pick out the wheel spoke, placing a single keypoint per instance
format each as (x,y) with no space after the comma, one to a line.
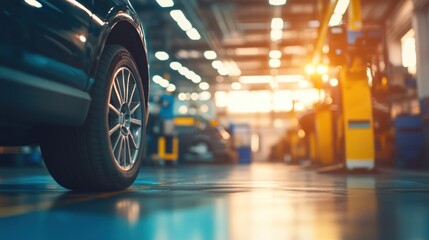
(116,111)
(114,129)
(134,141)
(118,95)
(116,143)
(136,121)
(123,85)
(120,150)
(129,151)
(135,108)
(124,150)
(127,87)
(130,100)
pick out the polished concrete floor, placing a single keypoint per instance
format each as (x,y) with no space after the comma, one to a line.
(259,201)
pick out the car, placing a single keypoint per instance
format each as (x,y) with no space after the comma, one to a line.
(74,78)
(201,140)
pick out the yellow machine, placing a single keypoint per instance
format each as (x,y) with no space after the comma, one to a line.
(353,139)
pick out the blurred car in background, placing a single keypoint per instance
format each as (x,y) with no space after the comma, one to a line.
(201,140)
(74,78)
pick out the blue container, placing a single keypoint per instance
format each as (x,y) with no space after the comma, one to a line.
(409,141)
(244,155)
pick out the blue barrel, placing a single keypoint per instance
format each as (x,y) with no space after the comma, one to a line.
(409,141)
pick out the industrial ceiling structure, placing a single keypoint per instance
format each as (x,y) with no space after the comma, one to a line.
(224,41)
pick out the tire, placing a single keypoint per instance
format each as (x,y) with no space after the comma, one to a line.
(105,153)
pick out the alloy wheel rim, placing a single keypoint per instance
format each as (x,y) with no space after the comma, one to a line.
(125,118)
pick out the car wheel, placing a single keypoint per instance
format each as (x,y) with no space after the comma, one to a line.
(106,152)
(200,151)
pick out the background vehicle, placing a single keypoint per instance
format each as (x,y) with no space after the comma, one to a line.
(200,140)
(74,78)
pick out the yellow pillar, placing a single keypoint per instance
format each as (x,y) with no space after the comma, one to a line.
(356,102)
(324,135)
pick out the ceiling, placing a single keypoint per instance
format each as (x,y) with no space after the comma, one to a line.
(239,32)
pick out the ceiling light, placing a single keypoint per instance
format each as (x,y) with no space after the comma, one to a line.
(335,20)
(274,63)
(196,79)
(157,79)
(165,3)
(277,2)
(210,55)
(217,64)
(34,3)
(258,79)
(205,96)
(171,88)
(175,65)
(276,34)
(222,71)
(181,96)
(341,7)
(333,82)
(313,24)
(162,56)
(195,96)
(181,20)
(193,34)
(204,86)
(164,83)
(276,23)
(236,86)
(275,54)
(184,71)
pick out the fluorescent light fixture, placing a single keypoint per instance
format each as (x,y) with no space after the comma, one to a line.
(274,63)
(275,54)
(175,65)
(313,24)
(333,82)
(277,2)
(339,11)
(165,3)
(322,69)
(310,69)
(210,55)
(171,87)
(276,34)
(157,79)
(164,83)
(236,86)
(196,79)
(193,34)
(181,20)
(181,96)
(276,23)
(204,86)
(250,51)
(162,56)
(205,96)
(184,71)
(34,3)
(303,84)
(217,64)
(335,20)
(223,71)
(195,96)
(341,7)
(258,79)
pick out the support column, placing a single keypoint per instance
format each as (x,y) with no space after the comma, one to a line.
(421,26)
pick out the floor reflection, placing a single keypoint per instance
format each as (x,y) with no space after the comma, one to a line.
(220,202)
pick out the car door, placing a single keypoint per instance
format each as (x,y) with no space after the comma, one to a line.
(47,38)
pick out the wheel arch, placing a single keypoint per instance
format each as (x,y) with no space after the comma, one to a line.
(125,34)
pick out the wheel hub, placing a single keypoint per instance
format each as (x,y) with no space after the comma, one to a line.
(125,119)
